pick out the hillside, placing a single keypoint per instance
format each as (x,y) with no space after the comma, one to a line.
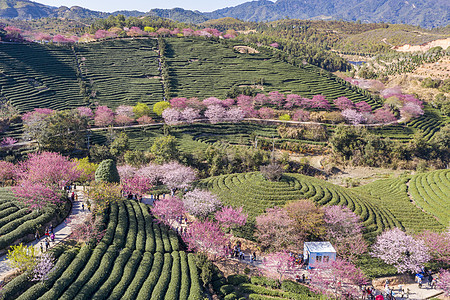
(430,13)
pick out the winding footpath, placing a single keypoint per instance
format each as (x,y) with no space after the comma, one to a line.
(62,231)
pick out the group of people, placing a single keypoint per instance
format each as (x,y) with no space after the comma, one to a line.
(236,252)
(49,238)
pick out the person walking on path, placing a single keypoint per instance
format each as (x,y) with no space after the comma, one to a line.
(36,235)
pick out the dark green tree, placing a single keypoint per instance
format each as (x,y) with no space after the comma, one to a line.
(164,149)
(107,172)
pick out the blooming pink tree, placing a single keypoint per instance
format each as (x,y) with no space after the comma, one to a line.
(190,114)
(301,115)
(151,171)
(144,120)
(339,278)
(43,112)
(230,217)
(172,116)
(261,99)
(7,171)
(85,112)
(353,116)
(411,110)
(235,114)
(444,281)
(438,243)
(344,231)
(178,103)
(293,100)
(206,237)
(48,168)
(275,229)
(363,107)
(40,36)
(266,113)
(43,267)
(275,45)
(123,120)
(126,171)
(216,113)
(176,176)
(246,104)
(343,103)
(168,209)
(36,195)
(136,185)
(212,101)
(104,116)
(125,110)
(200,203)
(402,251)
(276,98)
(319,101)
(384,116)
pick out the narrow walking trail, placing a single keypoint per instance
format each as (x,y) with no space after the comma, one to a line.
(62,231)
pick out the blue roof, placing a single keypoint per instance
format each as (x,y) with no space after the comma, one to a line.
(319,247)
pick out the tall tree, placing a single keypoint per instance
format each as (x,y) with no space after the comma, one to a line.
(164,149)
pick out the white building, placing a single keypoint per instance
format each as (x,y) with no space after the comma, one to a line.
(318,252)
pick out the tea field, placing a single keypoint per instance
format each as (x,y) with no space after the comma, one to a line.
(19,223)
(136,259)
(122,72)
(205,68)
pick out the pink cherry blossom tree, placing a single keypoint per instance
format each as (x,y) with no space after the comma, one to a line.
(48,168)
(212,101)
(216,113)
(444,281)
(343,103)
(338,278)
(8,141)
(125,110)
(136,185)
(172,116)
(7,171)
(178,103)
(266,113)
(319,101)
(151,171)
(292,100)
(261,99)
(411,110)
(235,114)
(301,115)
(190,114)
(402,251)
(85,112)
(275,45)
(123,120)
(200,203)
(230,217)
(41,112)
(344,231)
(384,116)
(275,229)
(176,176)
(144,120)
(207,237)
(168,209)
(126,171)
(246,104)
(363,107)
(353,116)
(104,116)
(438,243)
(276,98)
(36,195)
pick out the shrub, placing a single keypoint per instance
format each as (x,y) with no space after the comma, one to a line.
(107,172)
(238,279)
(159,107)
(285,117)
(272,172)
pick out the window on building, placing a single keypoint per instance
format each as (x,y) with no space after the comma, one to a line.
(319,258)
(326,259)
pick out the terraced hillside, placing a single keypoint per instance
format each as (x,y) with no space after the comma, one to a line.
(19,223)
(44,76)
(255,194)
(431,192)
(392,195)
(205,68)
(123,72)
(136,259)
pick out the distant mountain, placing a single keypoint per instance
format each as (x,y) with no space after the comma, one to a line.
(179,14)
(426,13)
